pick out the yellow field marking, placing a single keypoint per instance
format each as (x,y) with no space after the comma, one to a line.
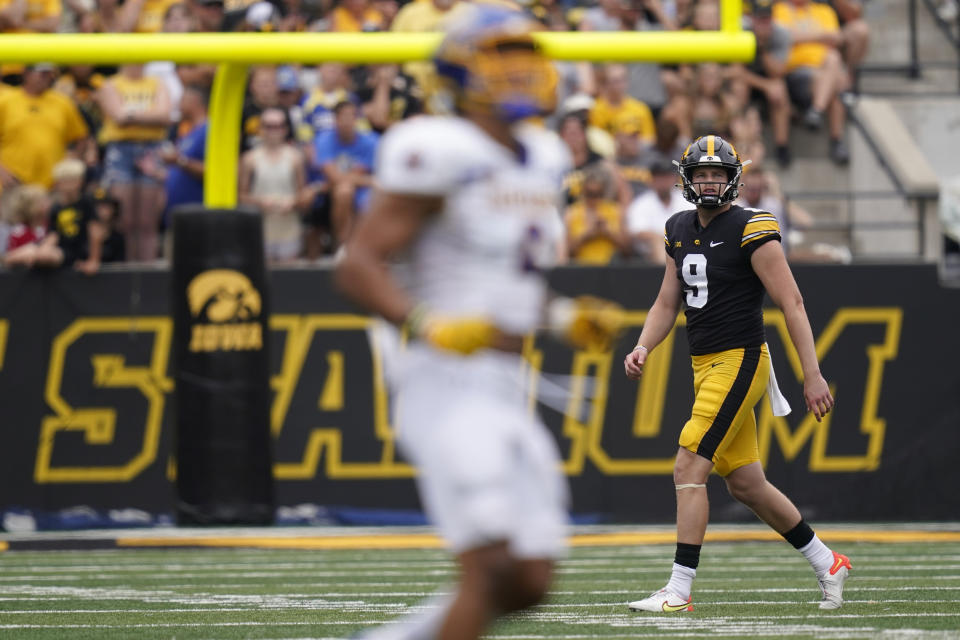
(430,541)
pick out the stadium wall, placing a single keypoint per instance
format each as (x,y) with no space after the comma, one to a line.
(86,383)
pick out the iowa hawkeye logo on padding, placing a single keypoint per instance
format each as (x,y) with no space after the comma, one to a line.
(226,307)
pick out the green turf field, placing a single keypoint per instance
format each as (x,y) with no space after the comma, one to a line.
(743,589)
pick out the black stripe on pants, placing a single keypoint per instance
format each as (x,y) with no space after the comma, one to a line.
(731,403)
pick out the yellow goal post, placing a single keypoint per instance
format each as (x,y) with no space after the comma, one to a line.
(235,52)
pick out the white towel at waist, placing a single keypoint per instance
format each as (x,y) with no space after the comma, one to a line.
(778,403)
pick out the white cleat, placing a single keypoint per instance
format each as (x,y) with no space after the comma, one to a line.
(831,583)
(662,601)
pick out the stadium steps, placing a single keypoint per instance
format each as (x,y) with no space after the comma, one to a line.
(925,111)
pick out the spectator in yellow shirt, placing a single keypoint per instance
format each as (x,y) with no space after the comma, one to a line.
(614,102)
(816,75)
(37,125)
(595,233)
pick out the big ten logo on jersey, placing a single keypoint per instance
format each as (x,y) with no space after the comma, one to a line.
(620,427)
(225,309)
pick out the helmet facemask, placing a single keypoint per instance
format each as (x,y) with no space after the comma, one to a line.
(513,81)
(726,191)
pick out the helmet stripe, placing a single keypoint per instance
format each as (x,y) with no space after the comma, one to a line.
(710,143)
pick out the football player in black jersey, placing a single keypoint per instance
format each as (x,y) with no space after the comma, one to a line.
(723,258)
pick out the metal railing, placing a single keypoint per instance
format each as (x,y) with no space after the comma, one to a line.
(945,27)
(913,67)
(841,218)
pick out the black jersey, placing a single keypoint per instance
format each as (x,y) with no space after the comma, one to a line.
(723,295)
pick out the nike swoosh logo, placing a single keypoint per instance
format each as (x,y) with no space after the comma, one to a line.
(716,244)
(673,608)
(839,562)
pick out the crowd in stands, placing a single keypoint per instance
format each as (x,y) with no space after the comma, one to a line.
(93,159)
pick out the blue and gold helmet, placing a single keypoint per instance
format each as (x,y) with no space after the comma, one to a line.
(489,63)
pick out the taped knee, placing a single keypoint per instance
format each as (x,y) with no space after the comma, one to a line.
(690,486)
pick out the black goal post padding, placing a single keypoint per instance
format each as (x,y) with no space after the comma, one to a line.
(221,404)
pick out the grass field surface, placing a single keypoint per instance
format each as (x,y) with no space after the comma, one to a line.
(749,589)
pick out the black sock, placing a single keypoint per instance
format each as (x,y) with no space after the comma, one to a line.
(800,536)
(688,555)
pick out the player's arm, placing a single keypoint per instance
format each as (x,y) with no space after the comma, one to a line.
(390,225)
(659,323)
(770,265)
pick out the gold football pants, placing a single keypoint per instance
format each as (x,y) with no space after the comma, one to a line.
(722,426)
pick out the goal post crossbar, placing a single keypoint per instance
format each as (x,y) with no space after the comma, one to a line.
(360,48)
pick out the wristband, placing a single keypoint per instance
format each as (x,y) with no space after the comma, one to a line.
(640,346)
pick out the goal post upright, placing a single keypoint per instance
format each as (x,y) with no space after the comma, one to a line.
(221,162)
